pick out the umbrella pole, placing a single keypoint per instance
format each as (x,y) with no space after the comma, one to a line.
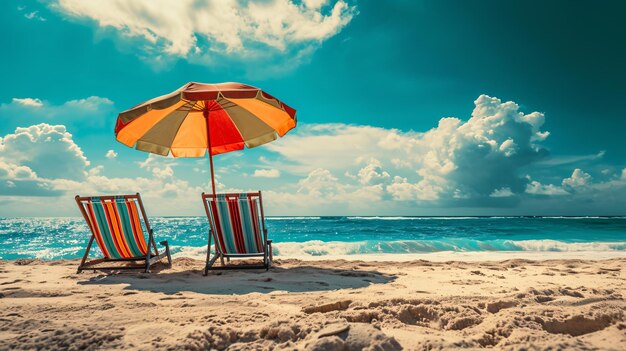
(208,140)
(208,135)
(212,176)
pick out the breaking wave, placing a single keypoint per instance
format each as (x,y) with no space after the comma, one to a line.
(316,248)
(290,218)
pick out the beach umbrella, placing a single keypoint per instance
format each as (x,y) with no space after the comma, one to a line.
(198,117)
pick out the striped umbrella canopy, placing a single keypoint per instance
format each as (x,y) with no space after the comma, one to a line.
(198,117)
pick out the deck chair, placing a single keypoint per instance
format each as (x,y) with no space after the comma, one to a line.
(115,225)
(237,224)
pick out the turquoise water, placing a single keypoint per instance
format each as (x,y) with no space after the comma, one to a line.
(53,238)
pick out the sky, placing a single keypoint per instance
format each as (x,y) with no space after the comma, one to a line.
(404,107)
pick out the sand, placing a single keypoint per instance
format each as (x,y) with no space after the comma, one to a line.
(515,304)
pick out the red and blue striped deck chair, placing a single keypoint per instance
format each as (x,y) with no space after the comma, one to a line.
(115,225)
(237,224)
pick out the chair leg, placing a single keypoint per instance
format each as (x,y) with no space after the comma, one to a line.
(167,251)
(147,270)
(210,263)
(82,262)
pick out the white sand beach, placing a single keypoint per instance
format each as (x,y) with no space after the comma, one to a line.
(515,304)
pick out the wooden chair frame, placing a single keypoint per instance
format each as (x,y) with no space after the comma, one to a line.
(149,259)
(267,244)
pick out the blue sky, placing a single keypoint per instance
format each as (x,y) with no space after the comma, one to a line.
(534,90)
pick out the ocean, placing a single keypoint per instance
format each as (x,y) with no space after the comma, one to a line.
(56,238)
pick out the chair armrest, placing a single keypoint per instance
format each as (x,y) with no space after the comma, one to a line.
(164,243)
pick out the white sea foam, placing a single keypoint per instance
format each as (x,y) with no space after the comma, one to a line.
(404,218)
(396,218)
(386,218)
(290,218)
(581,217)
(189,251)
(52,253)
(560,246)
(320,249)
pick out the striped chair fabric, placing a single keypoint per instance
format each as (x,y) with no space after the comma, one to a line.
(116,227)
(236,224)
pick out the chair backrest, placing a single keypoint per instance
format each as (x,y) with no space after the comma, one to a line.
(116,225)
(237,222)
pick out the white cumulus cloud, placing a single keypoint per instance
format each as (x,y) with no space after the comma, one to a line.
(502,192)
(479,164)
(537,188)
(578,179)
(456,162)
(91,111)
(189,28)
(373,173)
(28,102)
(48,149)
(111,154)
(266,173)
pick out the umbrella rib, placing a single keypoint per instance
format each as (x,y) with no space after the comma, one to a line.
(193,105)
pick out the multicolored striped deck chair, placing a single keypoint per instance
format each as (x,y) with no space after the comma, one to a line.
(237,224)
(115,224)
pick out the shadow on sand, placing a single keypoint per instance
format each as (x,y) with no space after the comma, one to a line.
(240,281)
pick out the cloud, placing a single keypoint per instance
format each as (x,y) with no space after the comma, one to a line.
(536,188)
(314,4)
(456,163)
(44,160)
(266,173)
(16,172)
(193,29)
(318,180)
(90,104)
(581,194)
(48,149)
(576,159)
(578,180)
(34,15)
(92,111)
(111,154)
(502,192)
(28,102)
(478,165)
(161,167)
(32,158)
(373,174)
(321,192)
